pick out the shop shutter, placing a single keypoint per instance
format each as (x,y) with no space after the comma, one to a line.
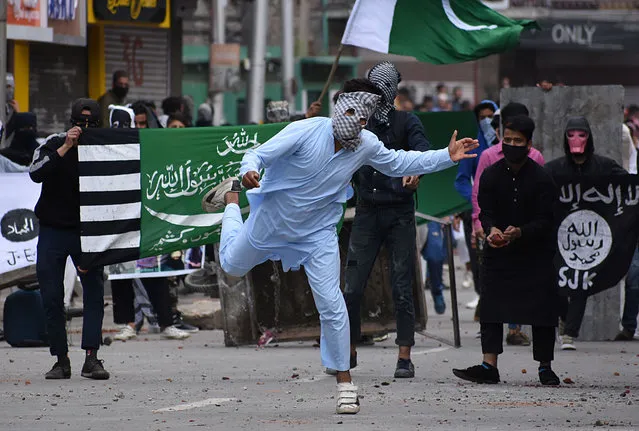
(58,75)
(144,54)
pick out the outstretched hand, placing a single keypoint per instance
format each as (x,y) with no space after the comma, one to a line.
(458,150)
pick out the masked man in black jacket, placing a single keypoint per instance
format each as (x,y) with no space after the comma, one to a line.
(580,161)
(55,165)
(386,214)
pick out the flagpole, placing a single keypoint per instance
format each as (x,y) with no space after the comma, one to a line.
(332,74)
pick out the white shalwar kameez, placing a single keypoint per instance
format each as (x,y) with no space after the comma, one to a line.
(295,211)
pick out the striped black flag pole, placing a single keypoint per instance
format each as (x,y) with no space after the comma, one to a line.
(110,196)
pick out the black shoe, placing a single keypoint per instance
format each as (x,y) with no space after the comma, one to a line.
(405,369)
(181,325)
(60,370)
(547,377)
(479,374)
(93,368)
(625,335)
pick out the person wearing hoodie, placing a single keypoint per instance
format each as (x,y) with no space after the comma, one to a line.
(484,113)
(580,161)
(55,166)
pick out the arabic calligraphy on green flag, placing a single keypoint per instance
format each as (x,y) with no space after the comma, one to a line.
(200,159)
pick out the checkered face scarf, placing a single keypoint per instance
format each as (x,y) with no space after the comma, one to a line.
(347,128)
(385,77)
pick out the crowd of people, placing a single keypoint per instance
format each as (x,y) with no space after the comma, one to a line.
(443,100)
(297,185)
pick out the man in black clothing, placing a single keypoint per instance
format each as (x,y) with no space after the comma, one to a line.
(386,214)
(516,197)
(55,165)
(115,96)
(580,161)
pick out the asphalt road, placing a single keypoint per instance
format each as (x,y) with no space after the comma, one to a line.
(199,384)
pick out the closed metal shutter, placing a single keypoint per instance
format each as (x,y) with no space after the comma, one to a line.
(144,54)
(58,75)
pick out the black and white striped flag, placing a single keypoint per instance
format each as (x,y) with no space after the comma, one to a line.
(110,198)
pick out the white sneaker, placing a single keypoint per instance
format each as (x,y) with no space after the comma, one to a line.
(126,333)
(347,400)
(213,201)
(473,304)
(567,343)
(467,283)
(173,333)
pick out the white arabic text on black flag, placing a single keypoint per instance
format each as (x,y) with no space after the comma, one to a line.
(597,233)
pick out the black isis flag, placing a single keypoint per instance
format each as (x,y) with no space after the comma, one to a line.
(597,233)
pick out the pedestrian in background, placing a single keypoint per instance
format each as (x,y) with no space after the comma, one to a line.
(116,95)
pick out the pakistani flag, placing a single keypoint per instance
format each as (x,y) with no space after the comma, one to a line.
(141,190)
(433,31)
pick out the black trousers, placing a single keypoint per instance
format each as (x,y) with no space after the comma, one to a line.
(123,300)
(543,340)
(572,313)
(372,227)
(472,252)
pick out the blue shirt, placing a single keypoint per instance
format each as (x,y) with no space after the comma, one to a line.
(468,168)
(303,189)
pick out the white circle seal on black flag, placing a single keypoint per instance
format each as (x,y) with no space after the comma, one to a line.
(584,239)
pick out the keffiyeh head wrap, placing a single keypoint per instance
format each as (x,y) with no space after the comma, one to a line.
(348,112)
(385,77)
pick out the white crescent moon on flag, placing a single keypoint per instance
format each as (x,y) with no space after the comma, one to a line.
(198,220)
(457,22)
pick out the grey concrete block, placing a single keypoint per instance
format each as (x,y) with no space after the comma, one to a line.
(601,105)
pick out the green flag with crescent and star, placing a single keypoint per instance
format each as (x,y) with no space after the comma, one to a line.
(433,31)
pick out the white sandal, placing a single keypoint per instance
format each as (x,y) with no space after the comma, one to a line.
(347,400)
(213,201)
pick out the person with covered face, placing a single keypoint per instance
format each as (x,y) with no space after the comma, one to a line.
(385,214)
(55,165)
(298,202)
(116,95)
(580,161)
(487,158)
(517,278)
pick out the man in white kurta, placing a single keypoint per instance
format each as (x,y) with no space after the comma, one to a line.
(299,202)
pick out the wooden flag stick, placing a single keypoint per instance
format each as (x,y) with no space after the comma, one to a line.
(332,74)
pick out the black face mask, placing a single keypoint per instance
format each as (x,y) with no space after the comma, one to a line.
(85,122)
(120,92)
(515,155)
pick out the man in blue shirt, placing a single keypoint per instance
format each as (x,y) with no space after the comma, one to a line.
(298,202)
